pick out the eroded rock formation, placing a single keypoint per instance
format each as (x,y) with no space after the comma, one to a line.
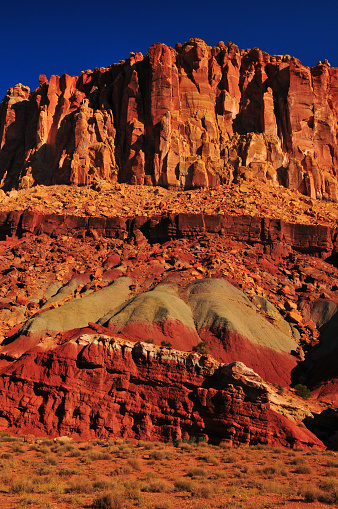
(102,386)
(185,117)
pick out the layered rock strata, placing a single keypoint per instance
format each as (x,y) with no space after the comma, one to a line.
(186,117)
(319,240)
(98,386)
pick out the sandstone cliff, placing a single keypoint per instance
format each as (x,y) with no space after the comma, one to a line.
(185,117)
(101,386)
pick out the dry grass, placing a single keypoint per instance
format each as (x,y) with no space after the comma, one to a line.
(120,474)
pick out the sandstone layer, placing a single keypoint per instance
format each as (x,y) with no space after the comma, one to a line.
(188,117)
(105,387)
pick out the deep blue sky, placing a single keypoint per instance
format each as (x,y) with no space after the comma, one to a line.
(42,37)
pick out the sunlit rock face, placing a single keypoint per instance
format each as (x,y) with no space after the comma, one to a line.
(187,117)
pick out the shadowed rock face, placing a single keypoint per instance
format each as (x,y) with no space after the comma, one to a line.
(186,117)
(101,386)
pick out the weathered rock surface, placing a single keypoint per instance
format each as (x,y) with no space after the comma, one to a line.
(315,239)
(187,117)
(98,386)
(53,260)
(214,312)
(80,311)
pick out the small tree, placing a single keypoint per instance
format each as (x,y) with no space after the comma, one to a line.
(202,348)
(303,391)
(166,344)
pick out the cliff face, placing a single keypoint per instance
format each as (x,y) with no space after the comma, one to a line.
(185,117)
(101,386)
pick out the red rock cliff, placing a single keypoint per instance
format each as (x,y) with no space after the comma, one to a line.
(100,386)
(184,117)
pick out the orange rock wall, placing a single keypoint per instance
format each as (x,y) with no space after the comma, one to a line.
(185,117)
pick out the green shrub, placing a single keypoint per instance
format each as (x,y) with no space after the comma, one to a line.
(302,391)
(166,344)
(202,348)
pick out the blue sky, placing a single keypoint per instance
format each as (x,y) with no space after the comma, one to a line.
(44,37)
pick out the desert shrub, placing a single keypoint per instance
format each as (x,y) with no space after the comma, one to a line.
(28,500)
(202,348)
(247,470)
(43,470)
(303,391)
(166,344)
(230,458)
(259,447)
(275,469)
(197,472)
(17,447)
(6,437)
(310,494)
(202,491)
(46,485)
(151,475)
(99,455)
(157,486)
(110,500)
(103,485)
(66,472)
(185,446)
(219,474)
(328,498)
(163,504)
(183,485)
(159,454)
(189,440)
(303,469)
(331,473)
(125,451)
(21,485)
(86,446)
(43,449)
(99,442)
(132,490)
(202,442)
(79,485)
(146,445)
(329,484)
(6,456)
(210,458)
(125,469)
(135,463)
(331,464)
(50,460)
(280,389)
(75,453)
(298,460)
